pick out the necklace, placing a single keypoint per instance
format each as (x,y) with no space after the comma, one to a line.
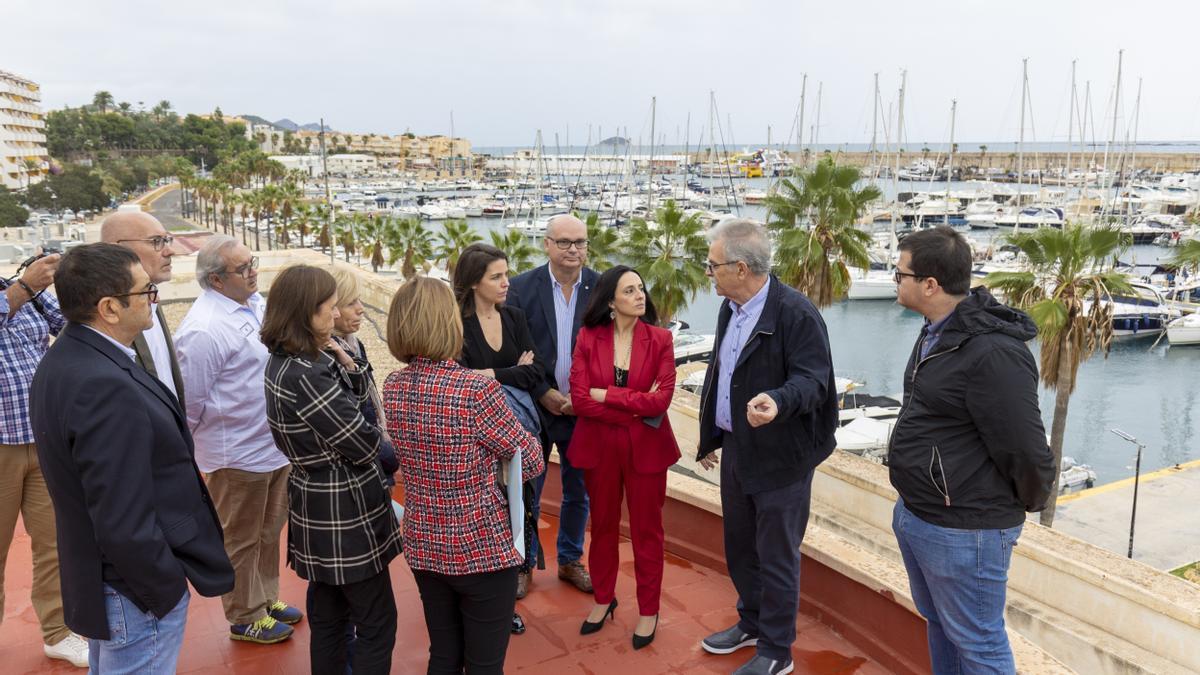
(628,350)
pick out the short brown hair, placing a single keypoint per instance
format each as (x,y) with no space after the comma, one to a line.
(424,321)
(295,296)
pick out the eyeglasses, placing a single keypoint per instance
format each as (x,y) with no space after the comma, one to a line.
(897,275)
(243,271)
(158,242)
(712,266)
(152,292)
(565,244)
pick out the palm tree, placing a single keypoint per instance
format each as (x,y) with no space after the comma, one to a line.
(814,217)
(103,100)
(454,237)
(373,235)
(410,241)
(521,253)
(602,250)
(1069,277)
(343,230)
(1187,255)
(669,256)
(304,216)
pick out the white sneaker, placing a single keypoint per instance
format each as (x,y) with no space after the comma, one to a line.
(71,648)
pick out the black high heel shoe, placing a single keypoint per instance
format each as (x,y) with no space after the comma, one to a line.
(518,624)
(589,627)
(640,641)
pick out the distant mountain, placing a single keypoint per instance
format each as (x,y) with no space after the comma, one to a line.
(311,126)
(615,141)
(286,124)
(254,119)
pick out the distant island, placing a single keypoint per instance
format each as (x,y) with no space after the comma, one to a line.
(614,142)
(284,124)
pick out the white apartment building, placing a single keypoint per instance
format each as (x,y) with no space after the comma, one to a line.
(23,156)
(339,165)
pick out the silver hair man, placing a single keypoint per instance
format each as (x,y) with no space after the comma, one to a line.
(211,258)
(745,241)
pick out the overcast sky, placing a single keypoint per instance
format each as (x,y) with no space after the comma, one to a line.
(507,68)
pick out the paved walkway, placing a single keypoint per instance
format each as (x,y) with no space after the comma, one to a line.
(1167,531)
(165,207)
(695,601)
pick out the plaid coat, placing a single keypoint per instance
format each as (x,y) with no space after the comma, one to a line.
(452,427)
(341,527)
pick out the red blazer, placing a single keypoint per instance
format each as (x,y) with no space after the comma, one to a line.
(603,426)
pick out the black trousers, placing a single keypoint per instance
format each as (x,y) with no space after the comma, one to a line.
(367,605)
(763,532)
(469,618)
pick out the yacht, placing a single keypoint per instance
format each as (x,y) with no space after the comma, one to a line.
(877,283)
(1184,331)
(1139,313)
(1033,216)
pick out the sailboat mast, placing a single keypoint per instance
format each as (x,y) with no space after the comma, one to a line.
(800,128)
(1113,134)
(874,122)
(1070,127)
(899,149)
(950,164)
(1137,113)
(1021,141)
(653,104)
(712,148)
(817,130)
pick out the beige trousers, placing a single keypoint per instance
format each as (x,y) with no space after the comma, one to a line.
(252,508)
(23,491)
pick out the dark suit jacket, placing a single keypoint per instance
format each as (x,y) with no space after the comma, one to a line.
(603,427)
(532,293)
(788,358)
(129,502)
(145,359)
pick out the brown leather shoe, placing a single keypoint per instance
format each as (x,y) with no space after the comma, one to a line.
(523,581)
(575,574)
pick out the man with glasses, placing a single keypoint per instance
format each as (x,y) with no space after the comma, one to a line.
(28,317)
(968,455)
(222,360)
(553,298)
(135,522)
(142,233)
(770,406)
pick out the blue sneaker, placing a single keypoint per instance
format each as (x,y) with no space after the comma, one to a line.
(284,613)
(265,631)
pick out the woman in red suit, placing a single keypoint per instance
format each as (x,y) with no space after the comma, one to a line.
(622,380)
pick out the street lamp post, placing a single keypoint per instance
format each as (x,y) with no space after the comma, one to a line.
(1137,472)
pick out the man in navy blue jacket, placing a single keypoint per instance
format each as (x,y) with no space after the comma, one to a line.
(135,522)
(770,405)
(553,298)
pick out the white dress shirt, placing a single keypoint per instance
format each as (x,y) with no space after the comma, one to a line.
(156,340)
(223,363)
(128,352)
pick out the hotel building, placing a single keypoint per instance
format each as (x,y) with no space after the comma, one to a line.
(23,156)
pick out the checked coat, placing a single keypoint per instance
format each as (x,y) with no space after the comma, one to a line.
(341,526)
(452,427)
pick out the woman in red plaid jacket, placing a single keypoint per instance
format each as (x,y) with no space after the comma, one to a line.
(452,429)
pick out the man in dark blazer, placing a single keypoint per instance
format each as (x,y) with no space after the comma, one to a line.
(553,298)
(143,234)
(770,406)
(135,522)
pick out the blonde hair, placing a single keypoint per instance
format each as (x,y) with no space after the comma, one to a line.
(424,321)
(348,287)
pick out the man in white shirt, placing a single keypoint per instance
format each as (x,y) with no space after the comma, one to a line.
(222,361)
(142,233)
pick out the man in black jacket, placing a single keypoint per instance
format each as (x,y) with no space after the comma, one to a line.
(770,405)
(968,454)
(135,522)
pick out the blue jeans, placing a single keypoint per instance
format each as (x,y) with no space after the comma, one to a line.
(958,580)
(139,642)
(572,516)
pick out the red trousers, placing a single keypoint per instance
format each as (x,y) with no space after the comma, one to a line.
(644,493)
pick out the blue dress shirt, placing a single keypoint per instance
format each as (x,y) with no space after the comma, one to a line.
(737,334)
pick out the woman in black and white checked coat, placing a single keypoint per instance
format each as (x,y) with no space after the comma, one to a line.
(342,531)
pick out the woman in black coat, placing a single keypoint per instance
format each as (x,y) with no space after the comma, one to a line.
(497,344)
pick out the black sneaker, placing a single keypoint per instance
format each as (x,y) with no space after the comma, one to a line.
(728,641)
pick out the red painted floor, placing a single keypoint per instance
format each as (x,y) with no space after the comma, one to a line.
(696,601)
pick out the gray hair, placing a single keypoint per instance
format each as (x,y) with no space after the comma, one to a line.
(745,240)
(211,258)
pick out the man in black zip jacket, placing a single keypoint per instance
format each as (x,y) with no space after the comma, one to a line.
(769,405)
(968,454)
